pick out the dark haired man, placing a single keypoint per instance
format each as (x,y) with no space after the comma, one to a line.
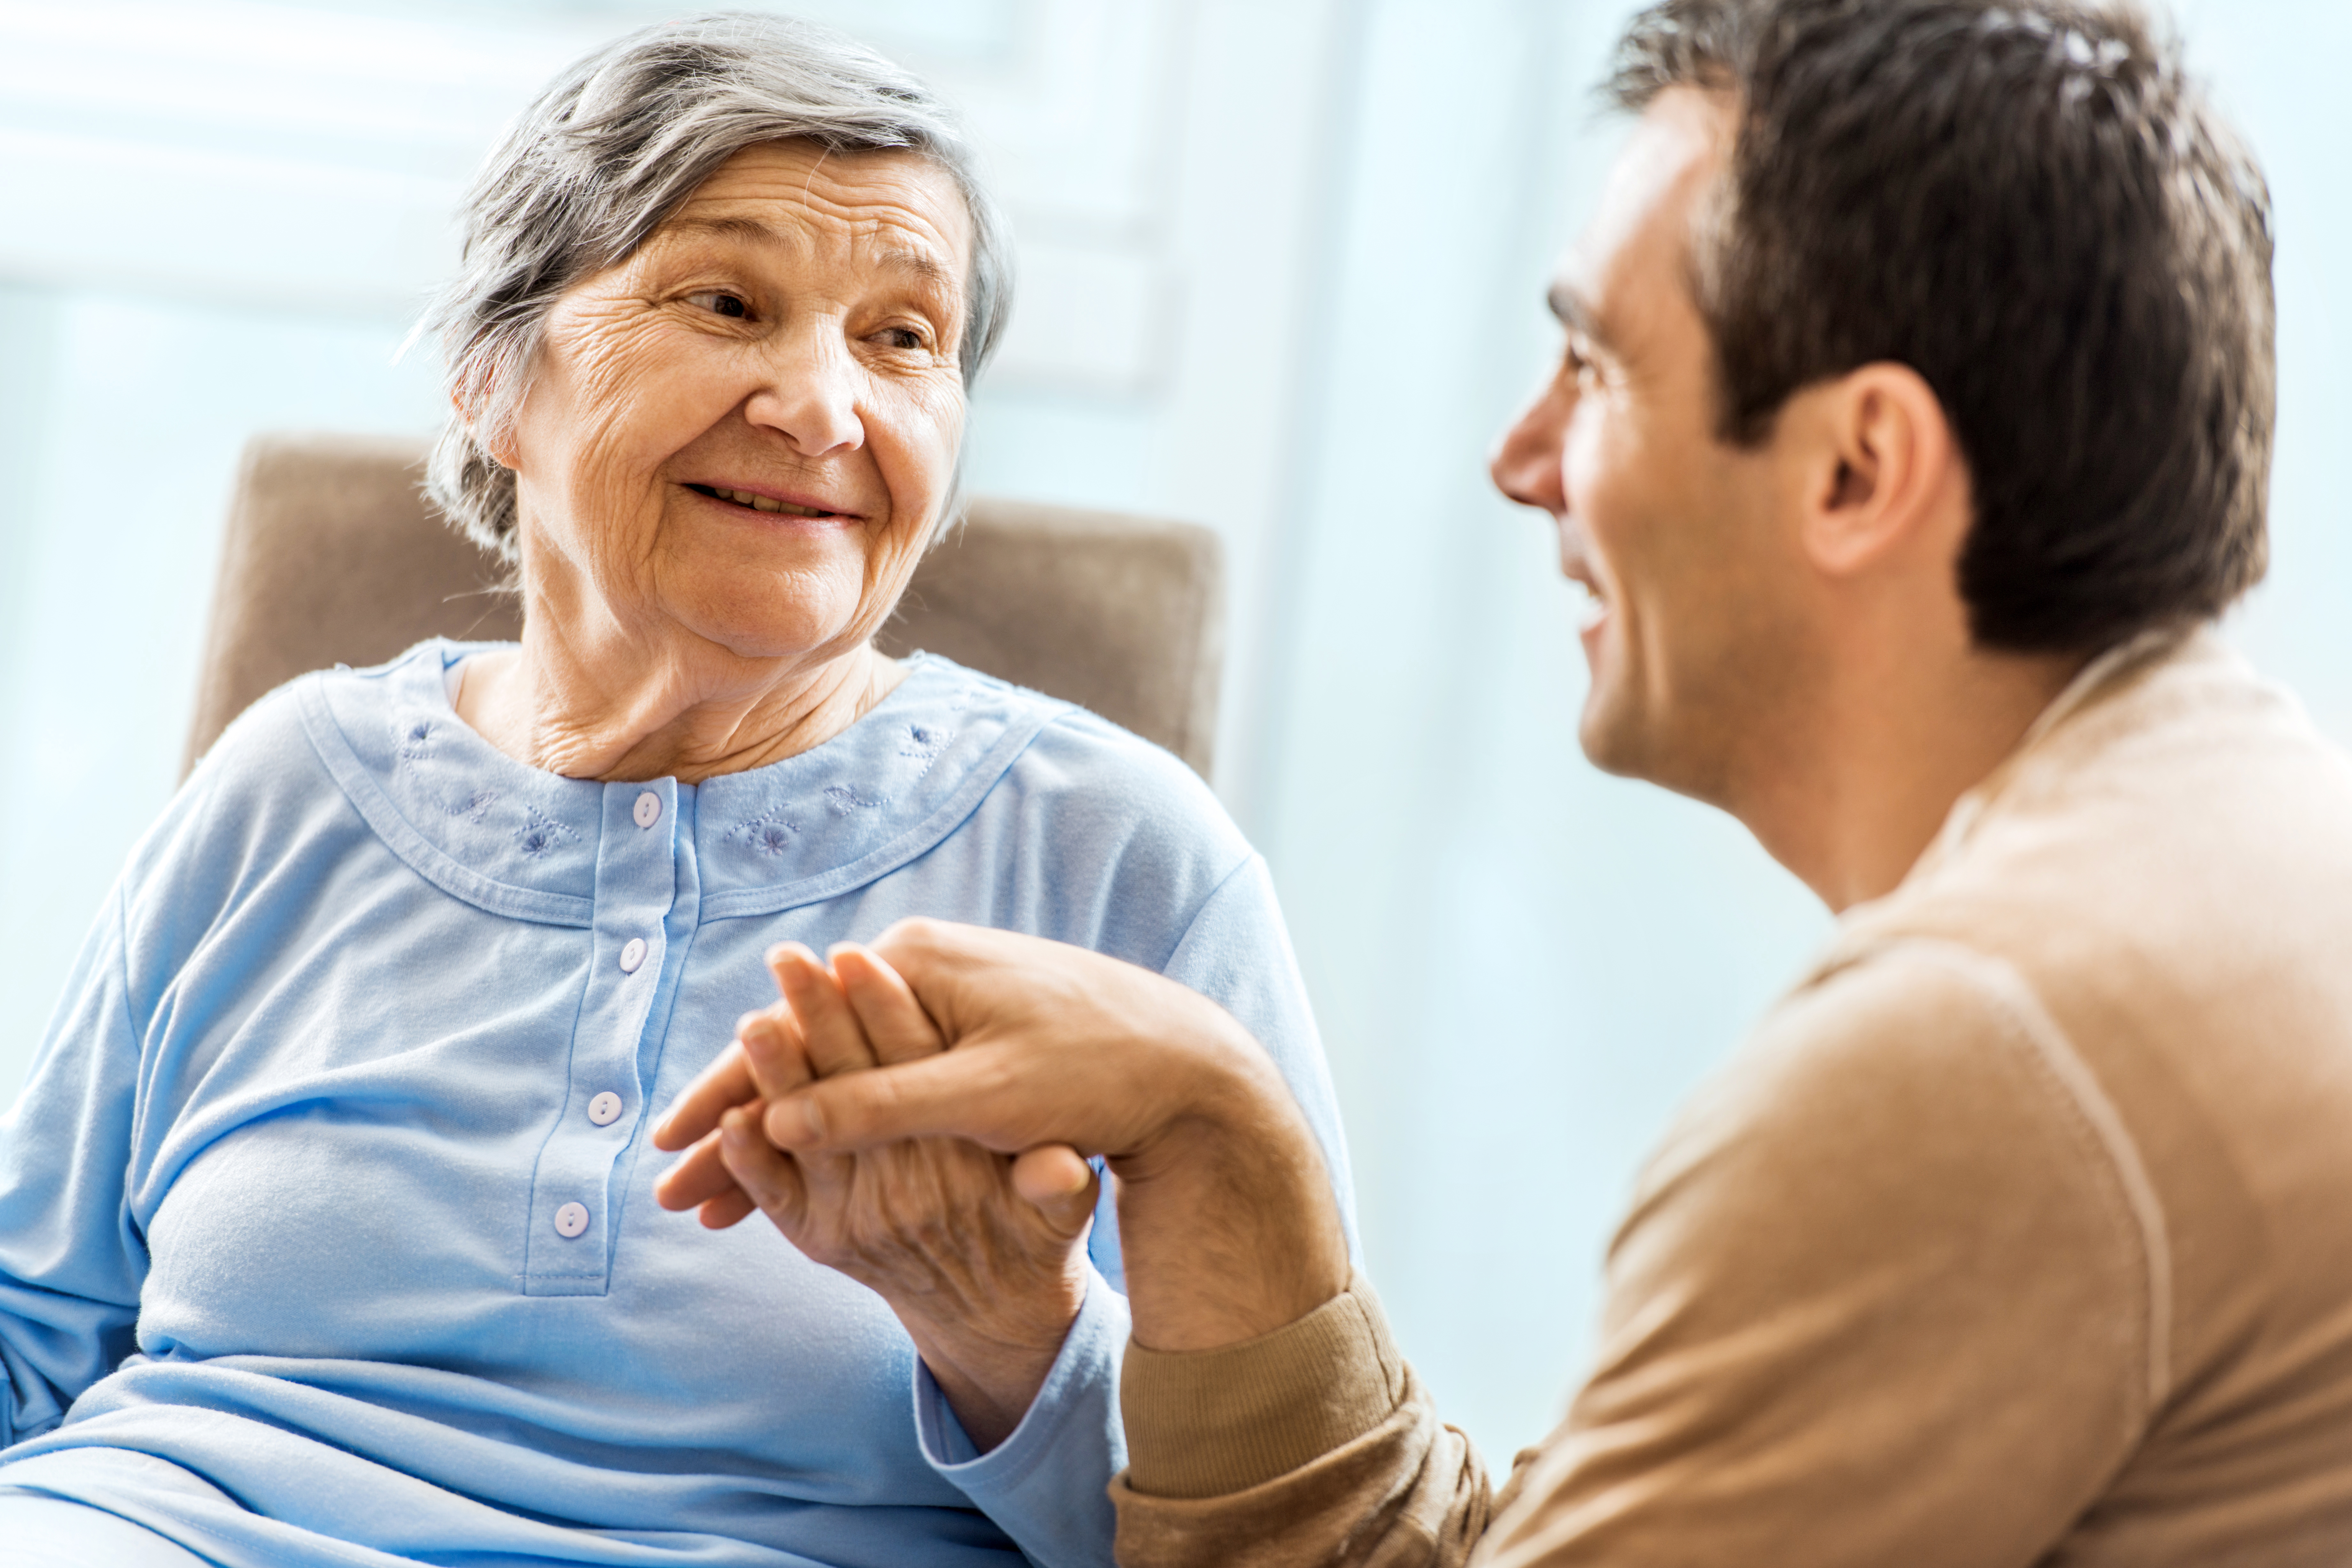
(1914,422)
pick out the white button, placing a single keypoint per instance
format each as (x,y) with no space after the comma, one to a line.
(605,1109)
(633,954)
(648,810)
(571,1220)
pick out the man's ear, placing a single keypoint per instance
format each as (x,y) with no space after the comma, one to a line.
(1883,476)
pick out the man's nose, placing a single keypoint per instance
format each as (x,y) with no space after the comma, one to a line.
(810,393)
(1525,466)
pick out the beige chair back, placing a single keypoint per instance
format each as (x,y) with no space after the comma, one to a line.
(332,555)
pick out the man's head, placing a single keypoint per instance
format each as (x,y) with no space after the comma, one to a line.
(1975,292)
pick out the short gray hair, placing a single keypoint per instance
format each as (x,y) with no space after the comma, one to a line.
(609,151)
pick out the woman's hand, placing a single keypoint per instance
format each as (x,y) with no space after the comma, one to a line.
(979,1255)
(1227,1222)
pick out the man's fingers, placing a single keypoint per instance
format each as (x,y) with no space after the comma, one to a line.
(694,1113)
(1057,1184)
(765,1173)
(895,1025)
(694,1180)
(835,1039)
(961,1093)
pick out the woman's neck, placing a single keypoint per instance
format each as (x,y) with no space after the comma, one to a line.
(630,712)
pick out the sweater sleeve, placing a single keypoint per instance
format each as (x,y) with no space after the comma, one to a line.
(1892,1292)
(72,1259)
(1316,1444)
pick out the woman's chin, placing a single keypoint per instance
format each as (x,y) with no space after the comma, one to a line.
(753,632)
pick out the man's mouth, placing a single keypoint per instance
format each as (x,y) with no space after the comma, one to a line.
(1591,609)
(760,503)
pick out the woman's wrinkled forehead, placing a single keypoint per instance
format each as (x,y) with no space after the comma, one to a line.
(892,211)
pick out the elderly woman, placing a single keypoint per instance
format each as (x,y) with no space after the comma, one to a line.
(326,1224)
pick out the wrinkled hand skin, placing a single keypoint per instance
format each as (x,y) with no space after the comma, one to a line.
(980,1256)
(1228,1226)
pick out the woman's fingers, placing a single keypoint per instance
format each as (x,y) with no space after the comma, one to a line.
(774,1048)
(696,1180)
(1058,1185)
(766,1175)
(695,1114)
(830,1032)
(896,1025)
(726,1209)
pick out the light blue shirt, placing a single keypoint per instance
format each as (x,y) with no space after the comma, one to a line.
(318,1243)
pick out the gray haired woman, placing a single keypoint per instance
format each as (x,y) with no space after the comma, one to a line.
(327,1229)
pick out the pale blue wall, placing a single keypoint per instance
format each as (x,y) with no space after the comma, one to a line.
(1521,965)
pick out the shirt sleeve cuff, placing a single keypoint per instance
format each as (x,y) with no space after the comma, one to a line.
(1048,1485)
(1202,1424)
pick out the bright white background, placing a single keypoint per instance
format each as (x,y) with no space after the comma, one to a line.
(1283,261)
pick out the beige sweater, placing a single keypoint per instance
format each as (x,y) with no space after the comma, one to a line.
(2020,1233)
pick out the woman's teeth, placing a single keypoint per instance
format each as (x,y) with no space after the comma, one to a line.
(762,503)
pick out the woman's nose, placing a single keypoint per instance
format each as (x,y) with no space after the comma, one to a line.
(1527,462)
(810,396)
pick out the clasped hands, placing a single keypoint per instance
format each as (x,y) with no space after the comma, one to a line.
(980,1255)
(918,1114)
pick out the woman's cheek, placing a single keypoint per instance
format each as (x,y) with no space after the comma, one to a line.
(915,444)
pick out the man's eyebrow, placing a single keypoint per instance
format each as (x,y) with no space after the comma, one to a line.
(1576,313)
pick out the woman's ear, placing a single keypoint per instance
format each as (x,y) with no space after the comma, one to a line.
(1883,476)
(498,441)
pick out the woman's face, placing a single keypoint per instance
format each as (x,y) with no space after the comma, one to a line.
(744,432)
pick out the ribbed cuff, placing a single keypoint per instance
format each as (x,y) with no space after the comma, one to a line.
(1201,1424)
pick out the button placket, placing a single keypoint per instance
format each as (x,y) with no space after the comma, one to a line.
(569,1249)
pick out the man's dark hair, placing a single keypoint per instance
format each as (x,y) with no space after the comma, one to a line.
(2031,204)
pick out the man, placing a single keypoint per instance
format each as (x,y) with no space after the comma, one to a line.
(1914,424)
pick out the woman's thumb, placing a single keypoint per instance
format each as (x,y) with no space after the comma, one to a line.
(1057,1184)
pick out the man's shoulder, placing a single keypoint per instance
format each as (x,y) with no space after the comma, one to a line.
(1908,1051)
(1908,1103)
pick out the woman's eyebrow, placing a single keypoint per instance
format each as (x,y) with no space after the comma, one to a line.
(922,265)
(749,229)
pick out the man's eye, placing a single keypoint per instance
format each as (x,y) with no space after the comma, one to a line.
(1578,368)
(719,302)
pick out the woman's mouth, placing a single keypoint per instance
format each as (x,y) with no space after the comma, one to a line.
(758,502)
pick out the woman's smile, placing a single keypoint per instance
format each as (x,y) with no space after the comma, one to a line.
(744,498)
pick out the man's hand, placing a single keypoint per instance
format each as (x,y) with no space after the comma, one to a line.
(986,1275)
(1227,1222)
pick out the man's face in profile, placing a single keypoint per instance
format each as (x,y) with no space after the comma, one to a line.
(1678,535)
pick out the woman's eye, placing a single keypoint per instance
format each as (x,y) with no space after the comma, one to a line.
(719,302)
(902,337)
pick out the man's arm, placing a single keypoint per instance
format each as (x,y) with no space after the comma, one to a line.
(1225,1212)
(1269,1417)
(1888,1293)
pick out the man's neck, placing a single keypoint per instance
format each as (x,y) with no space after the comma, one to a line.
(1850,800)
